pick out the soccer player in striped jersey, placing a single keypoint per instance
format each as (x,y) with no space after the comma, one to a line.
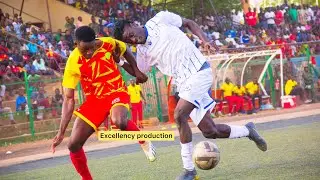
(94,64)
(161,43)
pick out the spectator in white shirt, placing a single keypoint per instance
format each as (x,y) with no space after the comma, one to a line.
(39,65)
(46,44)
(66,51)
(72,2)
(310,14)
(240,17)
(24,47)
(217,41)
(302,15)
(235,18)
(216,35)
(5,110)
(269,15)
(233,42)
(60,51)
(79,22)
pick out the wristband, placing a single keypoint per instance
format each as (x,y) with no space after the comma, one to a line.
(121,63)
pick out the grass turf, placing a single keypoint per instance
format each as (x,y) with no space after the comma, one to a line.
(293,154)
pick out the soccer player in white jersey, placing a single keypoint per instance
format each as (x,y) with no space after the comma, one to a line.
(162,44)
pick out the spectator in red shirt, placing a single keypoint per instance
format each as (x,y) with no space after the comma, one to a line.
(3,70)
(271,42)
(282,44)
(25,57)
(279,17)
(293,35)
(3,51)
(251,18)
(13,67)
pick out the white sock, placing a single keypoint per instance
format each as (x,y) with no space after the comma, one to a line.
(186,154)
(238,131)
(11,116)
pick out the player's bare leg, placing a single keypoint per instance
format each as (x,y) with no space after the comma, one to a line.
(120,119)
(211,130)
(81,131)
(181,116)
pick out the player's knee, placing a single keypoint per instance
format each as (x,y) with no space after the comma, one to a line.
(122,125)
(212,133)
(180,116)
(74,146)
(121,121)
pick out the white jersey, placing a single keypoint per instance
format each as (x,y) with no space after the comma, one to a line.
(169,49)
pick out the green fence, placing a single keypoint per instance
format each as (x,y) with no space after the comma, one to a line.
(155,92)
(39,115)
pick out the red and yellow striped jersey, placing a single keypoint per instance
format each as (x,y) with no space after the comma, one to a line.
(99,75)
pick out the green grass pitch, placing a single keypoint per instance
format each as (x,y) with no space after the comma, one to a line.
(294,153)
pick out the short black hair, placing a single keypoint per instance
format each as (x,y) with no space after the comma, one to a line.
(85,34)
(119,28)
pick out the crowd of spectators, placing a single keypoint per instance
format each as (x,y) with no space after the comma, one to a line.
(282,25)
(25,46)
(39,51)
(110,10)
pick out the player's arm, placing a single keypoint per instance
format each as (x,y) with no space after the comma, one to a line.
(67,109)
(141,77)
(131,60)
(71,78)
(195,29)
(144,99)
(117,58)
(131,67)
(126,66)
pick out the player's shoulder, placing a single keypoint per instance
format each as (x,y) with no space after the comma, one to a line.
(161,16)
(75,54)
(107,39)
(112,41)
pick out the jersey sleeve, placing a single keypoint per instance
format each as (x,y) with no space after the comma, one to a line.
(248,85)
(234,89)
(139,88)
(294,83)
(122,45)
(129,90)
(170,18)
(71,76)
(223,87)
(243,89)
(143,62)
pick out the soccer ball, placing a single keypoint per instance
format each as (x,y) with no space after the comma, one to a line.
(206,155)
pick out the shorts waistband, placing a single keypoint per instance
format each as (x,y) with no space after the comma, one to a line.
(204,66)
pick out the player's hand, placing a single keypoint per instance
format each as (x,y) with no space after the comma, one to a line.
(141,77)
(56,141)
(116,53)
(210,47)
